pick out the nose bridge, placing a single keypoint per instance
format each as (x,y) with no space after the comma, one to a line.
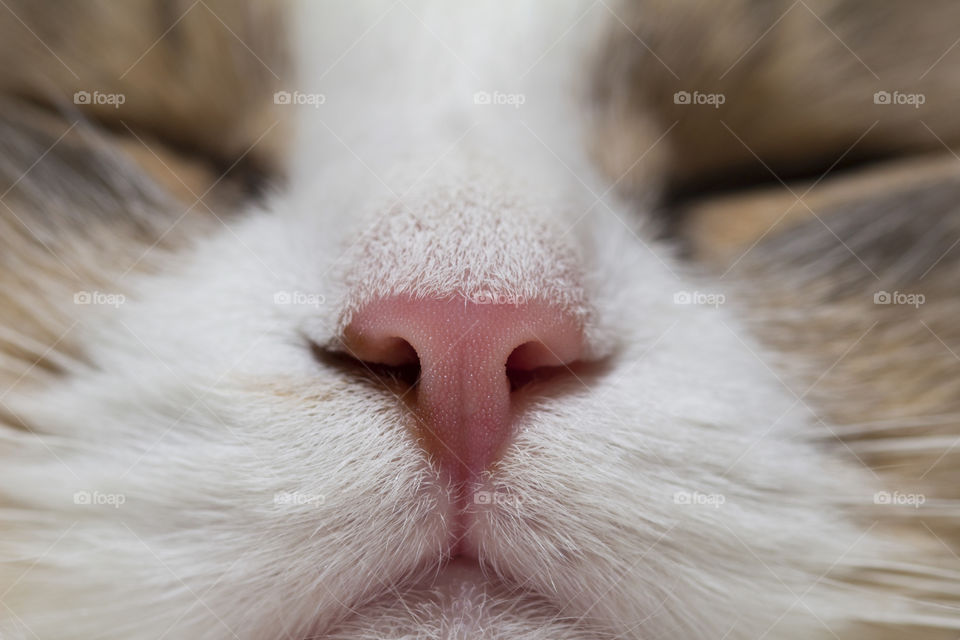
(463,395)
(478,235)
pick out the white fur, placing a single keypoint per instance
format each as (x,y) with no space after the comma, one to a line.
(204,401)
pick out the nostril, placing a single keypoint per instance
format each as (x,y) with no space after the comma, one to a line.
(393,358)
(391,351)
(394,362)
(534,362)
(533,354)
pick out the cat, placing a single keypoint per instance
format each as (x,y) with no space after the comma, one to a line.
(421,319)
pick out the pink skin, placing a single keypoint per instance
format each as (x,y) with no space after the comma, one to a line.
(462,404)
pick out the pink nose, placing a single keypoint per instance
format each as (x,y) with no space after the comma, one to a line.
(463,397)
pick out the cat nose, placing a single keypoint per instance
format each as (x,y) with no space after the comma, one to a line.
(468,351)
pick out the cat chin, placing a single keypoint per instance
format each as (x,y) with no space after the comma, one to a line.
(464,600)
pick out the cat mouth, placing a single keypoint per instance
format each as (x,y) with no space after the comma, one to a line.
(461,599)
(459,572)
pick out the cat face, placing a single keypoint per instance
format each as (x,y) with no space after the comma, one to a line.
(443,383)
(249,463)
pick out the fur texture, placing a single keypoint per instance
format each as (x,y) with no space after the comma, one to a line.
(178,462)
